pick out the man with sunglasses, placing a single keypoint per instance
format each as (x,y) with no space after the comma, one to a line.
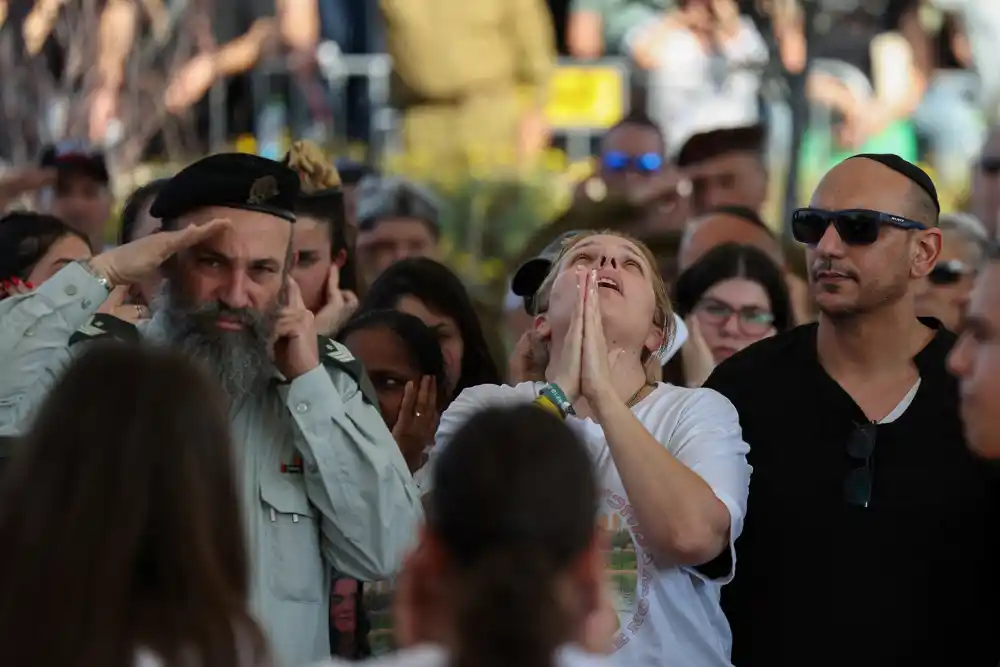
(870,537)
(975,360)
(944,293)
(632,154)
(633,166)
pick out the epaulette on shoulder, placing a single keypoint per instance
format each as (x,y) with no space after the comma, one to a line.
(336,355)
(103,326)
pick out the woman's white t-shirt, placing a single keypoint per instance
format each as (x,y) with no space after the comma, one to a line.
(668,614)
(430,655)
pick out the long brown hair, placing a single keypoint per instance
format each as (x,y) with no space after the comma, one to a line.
(120,522)
(513,505)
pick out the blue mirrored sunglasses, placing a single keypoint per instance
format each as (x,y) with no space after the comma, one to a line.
(646,163)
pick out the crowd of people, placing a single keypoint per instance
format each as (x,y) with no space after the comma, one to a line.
(265,424)
(291,409)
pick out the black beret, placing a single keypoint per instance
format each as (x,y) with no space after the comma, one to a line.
(231,180)
(911,171)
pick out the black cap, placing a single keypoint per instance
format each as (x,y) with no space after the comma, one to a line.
(77,157)
(911,171)
(529,276)
(231,180)
(708,145)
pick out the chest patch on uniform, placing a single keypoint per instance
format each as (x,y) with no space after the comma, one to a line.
(293,468)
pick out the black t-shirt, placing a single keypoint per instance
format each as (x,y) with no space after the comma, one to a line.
(911,579)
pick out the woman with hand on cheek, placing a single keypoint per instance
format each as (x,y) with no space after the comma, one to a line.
(671,461)
(324,259)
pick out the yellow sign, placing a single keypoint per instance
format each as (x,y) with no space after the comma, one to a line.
(586,97)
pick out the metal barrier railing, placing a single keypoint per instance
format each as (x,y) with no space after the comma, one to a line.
(585,99)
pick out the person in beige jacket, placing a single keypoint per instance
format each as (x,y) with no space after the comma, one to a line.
(458,68)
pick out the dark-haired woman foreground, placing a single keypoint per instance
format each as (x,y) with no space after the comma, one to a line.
(122,535)
(509,569)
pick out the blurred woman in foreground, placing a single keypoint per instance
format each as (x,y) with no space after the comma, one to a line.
(123,537)
(509,568)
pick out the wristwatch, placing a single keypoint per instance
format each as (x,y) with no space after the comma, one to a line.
(103,280)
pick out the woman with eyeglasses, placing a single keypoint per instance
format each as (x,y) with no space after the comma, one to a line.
(732,297)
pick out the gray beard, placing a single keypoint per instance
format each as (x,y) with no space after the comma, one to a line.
(240,360)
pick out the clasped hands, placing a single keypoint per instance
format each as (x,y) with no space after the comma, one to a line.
(587,367)
(296,346)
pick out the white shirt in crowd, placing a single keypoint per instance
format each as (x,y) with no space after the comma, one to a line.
(426,655)
(668,614)
(692,90)
(429,655)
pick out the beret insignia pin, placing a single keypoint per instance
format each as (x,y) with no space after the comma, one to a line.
(262,190)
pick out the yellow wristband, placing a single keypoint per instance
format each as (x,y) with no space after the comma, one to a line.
(545,403)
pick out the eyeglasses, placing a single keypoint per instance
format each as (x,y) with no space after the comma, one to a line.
(949,273)
(647,163)
(861,447)
(854,226)
(751,320)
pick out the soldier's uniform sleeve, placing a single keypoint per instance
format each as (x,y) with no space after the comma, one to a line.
(534,44)
(35,332)
(354,472)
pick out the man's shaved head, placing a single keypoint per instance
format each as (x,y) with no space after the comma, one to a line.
(719,227)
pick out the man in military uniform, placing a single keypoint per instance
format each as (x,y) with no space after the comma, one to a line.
(324,484)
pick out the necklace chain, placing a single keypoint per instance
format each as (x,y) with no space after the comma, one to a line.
(635,397)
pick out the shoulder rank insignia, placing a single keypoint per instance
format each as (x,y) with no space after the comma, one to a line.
(105,326)
(336,354)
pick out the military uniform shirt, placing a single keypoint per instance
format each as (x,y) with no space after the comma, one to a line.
(324,484)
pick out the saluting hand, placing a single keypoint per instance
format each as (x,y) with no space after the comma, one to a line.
(130,263)
(340,305)
(296,346)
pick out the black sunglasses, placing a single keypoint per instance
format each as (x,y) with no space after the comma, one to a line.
(854,226)
(949,273)
(861,448)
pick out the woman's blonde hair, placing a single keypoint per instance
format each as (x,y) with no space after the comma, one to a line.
(316,172)
(663,312)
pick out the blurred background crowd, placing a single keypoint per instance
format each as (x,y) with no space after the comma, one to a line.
(492,116)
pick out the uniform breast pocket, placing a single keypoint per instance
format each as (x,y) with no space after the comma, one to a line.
(291,544)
